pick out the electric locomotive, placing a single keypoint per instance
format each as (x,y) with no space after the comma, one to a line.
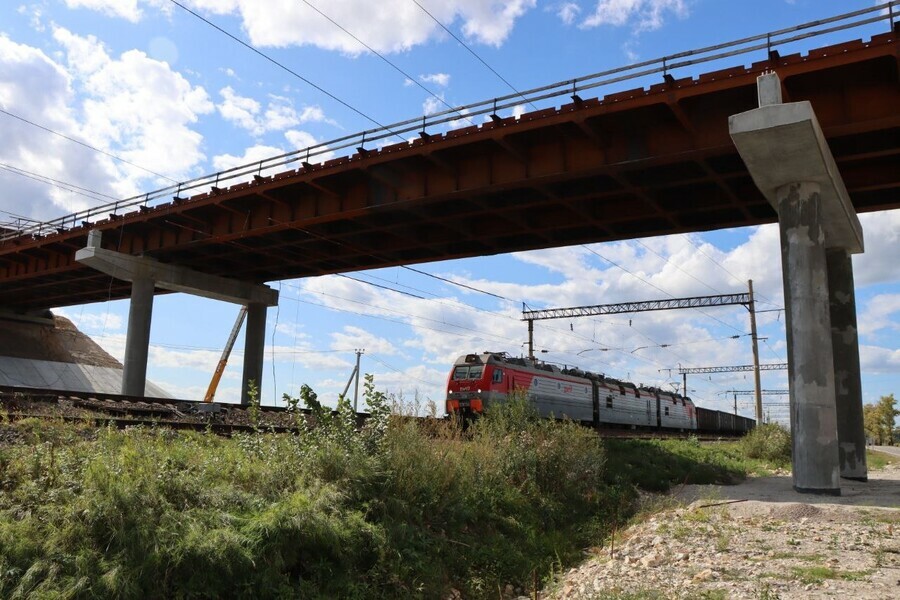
(479,380)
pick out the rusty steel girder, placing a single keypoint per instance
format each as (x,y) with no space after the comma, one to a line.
(636,163)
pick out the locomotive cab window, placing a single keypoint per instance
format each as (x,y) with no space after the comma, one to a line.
(498,376)
(460,373)
(475,372)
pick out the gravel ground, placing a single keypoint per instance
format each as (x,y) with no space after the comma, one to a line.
(756,540)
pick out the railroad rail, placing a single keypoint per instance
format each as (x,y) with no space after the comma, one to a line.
(130,411)
(120,411)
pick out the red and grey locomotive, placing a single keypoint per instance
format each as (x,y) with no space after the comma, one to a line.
(479,380)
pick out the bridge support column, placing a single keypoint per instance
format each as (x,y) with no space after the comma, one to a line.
(137,339)
(847,381)
(790,162)
(254,347)
(146,274)
(810,358)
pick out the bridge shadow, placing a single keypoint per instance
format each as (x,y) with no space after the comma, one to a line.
(882,490)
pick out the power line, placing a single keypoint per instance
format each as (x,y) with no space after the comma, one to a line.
(382,57)
(475,54)
(456,283)
(284,67)
(669,261)
(86,145)
(721,266)
(383,287)
(638,277)
(57,183)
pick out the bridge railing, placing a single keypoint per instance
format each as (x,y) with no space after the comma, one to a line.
(419,126)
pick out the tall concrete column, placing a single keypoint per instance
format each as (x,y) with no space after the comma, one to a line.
(847,382)
(137,340)
(254,347)
(816,467)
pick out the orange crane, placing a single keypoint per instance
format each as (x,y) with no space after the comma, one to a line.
(226,352)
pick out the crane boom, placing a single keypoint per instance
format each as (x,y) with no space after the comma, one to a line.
(226,352)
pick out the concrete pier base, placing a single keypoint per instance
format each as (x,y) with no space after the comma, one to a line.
(847,381)
(137,340)
(254,347)
(810,358)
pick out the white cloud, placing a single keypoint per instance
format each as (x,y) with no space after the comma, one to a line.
(879,360)
(568,12)
(440,79)
(387,26)
(642,15)
(252,154)
(356,337)
(125,9)
(433,105)
(878,313)
(280,114)
(138,106)
(240,110)
(882,238)
(93,322)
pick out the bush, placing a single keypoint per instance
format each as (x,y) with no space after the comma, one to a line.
(770,442)
(395,510)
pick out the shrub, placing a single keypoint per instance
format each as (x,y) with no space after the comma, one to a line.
(770,442)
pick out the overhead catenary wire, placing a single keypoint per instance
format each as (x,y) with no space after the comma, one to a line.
(285,68)
(86,145)
(385,59)
(475,54)
(721,266)
(57,183)
(653,285)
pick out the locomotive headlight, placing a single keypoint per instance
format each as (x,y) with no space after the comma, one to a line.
(479,390)
(449,391)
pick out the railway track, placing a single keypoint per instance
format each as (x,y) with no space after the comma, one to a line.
(101,410)
(130,411)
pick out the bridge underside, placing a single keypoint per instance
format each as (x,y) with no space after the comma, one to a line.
(638,163)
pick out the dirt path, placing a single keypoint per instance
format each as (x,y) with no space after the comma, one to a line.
(758,540)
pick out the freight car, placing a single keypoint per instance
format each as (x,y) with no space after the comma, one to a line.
(479,380)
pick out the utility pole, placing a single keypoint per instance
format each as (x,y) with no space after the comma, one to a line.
(735,404)
(354,375)
(752,308)
(531,339)
(356,387)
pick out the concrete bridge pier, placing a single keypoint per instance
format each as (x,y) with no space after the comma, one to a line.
(146,274)
(790,162)
(137,339)
(810,356)
(254,347)
(847,383)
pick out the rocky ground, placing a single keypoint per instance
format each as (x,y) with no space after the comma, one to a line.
(756,540)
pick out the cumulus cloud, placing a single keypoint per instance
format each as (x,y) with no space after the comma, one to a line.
(387,26)
(138,106)
(280,113)
(568,12)
(642,15)
(132,106)
(357,337)
(441,79)
(878,315)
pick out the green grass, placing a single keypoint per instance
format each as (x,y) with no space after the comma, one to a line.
(657,465)
(878,460)
(393,511)
(817,575)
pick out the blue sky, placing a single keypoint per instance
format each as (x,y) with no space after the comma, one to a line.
(147,81)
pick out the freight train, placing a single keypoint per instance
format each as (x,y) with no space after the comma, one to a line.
(479,380)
